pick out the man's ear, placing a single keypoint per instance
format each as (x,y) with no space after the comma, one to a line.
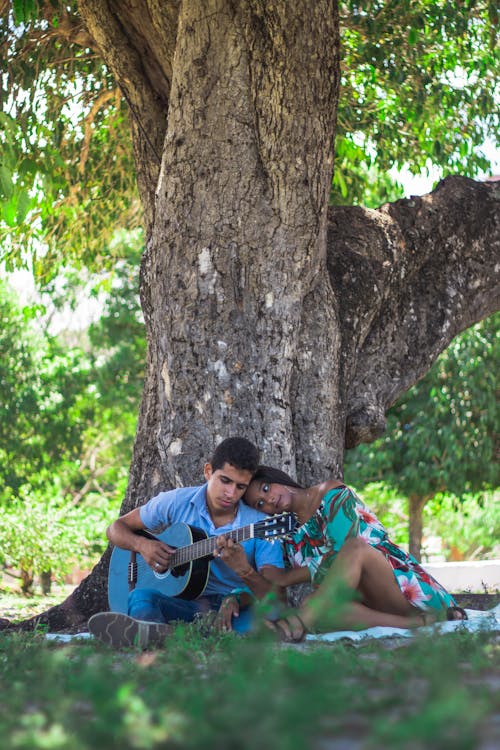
(207,471)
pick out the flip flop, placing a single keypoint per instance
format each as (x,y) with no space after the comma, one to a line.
(452,612)
(286,633)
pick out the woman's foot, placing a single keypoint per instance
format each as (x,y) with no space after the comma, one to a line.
(456,613)
(289,629)
(452,613)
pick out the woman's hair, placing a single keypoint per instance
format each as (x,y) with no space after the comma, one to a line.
(272,475)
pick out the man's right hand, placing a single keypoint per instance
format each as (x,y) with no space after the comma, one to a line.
(123,533)
(157,554)
(228,609)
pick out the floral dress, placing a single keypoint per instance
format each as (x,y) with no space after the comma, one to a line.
(342,515)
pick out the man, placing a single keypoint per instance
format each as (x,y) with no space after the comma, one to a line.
(215,508)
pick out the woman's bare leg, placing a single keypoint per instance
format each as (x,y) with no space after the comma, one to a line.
(363,569)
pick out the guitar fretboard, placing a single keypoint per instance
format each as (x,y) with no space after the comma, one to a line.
(205,547)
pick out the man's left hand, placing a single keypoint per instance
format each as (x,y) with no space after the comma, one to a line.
(233,555)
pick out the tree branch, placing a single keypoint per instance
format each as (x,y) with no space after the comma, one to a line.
(410,277)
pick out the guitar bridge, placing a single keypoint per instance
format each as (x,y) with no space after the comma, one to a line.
(132,573)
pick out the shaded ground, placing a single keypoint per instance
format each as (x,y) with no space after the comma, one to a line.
(477,601)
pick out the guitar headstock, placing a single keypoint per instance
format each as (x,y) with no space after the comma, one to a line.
(276,526)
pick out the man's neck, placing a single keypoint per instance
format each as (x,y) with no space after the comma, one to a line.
(222,518)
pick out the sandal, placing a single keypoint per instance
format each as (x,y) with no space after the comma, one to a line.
(456,613)
(283,627)
(452,613)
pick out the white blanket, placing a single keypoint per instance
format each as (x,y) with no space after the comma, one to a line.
(478,620)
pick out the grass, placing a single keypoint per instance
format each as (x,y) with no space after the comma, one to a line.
(222,691)
(17,607)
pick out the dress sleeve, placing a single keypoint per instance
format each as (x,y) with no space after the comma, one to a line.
(338,521)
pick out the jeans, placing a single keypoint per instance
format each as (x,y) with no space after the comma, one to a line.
(151,605)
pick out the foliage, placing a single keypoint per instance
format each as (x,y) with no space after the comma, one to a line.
(66,180)
(418,87)
(67,427)
(83,695)
(42,532)
(442,435)
(467,528)
(43,409)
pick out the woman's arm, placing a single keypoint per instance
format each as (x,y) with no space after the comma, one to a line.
(285,577)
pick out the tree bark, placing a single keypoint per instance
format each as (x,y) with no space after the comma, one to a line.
(268,314)
(415,508)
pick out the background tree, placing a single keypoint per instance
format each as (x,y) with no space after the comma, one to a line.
(308,322)
(68,421)
(442,436)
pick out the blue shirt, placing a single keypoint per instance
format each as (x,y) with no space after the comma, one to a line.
(189,505)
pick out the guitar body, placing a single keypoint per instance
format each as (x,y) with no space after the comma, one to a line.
(188,577)
(187,581)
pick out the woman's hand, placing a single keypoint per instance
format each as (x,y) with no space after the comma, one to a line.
(228,609)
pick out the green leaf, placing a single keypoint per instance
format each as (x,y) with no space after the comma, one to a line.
(412,36)
(9,212)
(23,205)
(6,183)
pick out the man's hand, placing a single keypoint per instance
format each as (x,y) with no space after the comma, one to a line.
(228,609)
(157,554)
(233,555)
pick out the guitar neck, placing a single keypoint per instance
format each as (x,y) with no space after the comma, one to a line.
(206,547)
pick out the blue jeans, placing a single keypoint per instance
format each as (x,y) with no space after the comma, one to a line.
(151,605)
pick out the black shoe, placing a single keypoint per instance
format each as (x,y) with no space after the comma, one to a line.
(121,631)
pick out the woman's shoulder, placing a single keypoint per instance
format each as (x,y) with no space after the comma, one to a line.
(331,484)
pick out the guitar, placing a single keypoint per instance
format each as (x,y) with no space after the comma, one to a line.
(188,574)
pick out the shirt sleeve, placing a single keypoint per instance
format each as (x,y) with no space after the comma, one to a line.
(156,513)
(339,521)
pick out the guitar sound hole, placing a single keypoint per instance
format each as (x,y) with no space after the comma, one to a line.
(180,570)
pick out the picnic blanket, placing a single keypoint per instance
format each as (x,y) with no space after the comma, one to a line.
(488,620)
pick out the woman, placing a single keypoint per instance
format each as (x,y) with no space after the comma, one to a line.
(341,540)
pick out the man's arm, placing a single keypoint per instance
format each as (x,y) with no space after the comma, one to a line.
(123,533)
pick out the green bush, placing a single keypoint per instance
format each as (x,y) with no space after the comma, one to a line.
(468,527)
(42,535)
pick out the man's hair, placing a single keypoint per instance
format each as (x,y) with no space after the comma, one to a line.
(237,451)
(274,476)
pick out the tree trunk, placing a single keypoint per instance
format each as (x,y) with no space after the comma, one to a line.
(46,582)
(415,526)
(268,315)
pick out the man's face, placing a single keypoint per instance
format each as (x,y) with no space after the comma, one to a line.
(225,487)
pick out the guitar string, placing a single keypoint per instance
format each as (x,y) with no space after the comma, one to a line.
(205,547)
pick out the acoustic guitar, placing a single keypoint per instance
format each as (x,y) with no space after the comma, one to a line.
(188,573)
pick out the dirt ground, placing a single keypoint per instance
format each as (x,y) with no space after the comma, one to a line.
(477,601)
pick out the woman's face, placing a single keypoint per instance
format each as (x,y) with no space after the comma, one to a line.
(270,498)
